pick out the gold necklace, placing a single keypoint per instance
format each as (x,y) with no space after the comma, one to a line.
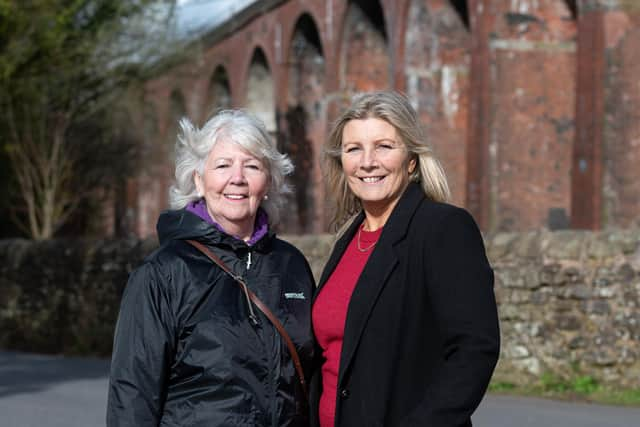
(360,248)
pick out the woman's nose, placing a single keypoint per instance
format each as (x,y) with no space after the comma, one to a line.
(369,158)
(237,174)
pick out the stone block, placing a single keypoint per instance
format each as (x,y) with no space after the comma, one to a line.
(500,246)
(549,272)
(529,245)
(565,244)
(507,312)
(601,357)
(577,292)
(517,351)
(578,342)
(569,275)
(567,322)
(625,273)
(601,247)
(598,307)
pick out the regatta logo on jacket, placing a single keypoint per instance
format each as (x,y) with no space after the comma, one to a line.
(294,295)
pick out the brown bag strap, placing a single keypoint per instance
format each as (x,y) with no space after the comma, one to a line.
(262,307)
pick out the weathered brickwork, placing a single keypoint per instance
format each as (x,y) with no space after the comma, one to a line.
(622,121)
(532,51)
(437,79)
(302,126)
(532,105)
(568,301)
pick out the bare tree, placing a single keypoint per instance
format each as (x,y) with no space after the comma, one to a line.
(60,63)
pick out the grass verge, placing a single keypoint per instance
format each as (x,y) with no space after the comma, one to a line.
(582,388)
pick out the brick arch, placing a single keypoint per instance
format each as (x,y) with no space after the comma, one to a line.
(573,7)
(436,80)
(219,93)
(365,19)
(307,23)
(461,7)
(302,124)
(260,89)
(177,110)
(243,60)
(305,63)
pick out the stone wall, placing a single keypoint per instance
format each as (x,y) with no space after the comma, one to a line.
(569,304)
(63,296)
(568,301)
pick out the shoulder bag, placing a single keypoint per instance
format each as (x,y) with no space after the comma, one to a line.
(252,297)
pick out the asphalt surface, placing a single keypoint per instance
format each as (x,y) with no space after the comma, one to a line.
(50,391)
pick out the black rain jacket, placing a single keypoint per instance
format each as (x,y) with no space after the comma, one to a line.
(185,352)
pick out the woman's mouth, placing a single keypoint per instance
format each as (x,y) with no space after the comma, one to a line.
(372,179)
(235,196)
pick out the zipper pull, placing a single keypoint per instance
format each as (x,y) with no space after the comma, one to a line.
(249,260)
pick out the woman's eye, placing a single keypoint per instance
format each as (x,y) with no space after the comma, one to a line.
(385,147)
(351,149)
(222,166)
(253,167)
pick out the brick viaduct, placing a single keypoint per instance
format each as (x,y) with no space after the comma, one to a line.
(532,105)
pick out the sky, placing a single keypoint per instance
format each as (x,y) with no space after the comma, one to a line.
(194,17)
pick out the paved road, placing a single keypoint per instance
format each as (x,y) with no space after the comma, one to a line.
(49,391)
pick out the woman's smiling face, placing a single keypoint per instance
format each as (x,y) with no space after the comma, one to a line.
(375,162)
(233,184)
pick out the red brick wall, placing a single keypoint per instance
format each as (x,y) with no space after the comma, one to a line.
(437,79)
(533,75)
(364,54)
(303,123)
(621,149)
(498,93)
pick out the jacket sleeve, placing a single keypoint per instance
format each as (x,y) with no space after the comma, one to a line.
(142,352)
(460,288)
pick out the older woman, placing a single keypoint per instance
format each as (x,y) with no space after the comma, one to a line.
(405,314)
(191,347)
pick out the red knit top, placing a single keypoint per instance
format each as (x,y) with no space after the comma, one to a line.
(329,315)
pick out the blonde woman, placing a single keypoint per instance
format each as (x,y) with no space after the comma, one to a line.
(405,314)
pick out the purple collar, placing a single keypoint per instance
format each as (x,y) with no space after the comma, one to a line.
(260,229)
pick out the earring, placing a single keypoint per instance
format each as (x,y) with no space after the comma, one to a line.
(266,197)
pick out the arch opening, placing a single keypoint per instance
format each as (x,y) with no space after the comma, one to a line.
(302,123)
(572,5)
(462,9)
(260,91)
(365,60)
(219,92)
(372,11)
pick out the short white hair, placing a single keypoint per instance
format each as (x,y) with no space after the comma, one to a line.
(194,145)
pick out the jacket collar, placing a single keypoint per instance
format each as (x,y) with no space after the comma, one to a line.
(376,272)
(394,230)
(182,225)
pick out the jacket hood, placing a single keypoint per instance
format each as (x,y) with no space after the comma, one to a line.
(184,225)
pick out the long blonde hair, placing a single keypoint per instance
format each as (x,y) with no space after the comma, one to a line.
(396,110)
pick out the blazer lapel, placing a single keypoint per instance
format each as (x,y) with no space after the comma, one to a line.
(376,273)
(338,251)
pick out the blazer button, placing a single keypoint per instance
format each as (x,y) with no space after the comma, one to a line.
(344,393)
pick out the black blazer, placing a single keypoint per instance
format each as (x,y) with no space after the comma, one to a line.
(421,338)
